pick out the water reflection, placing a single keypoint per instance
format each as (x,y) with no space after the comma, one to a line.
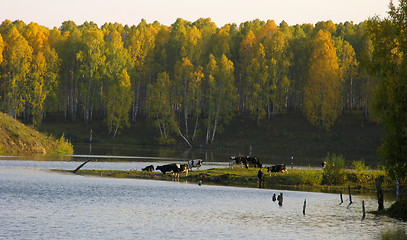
(218,155)
(120,152)
(38,204)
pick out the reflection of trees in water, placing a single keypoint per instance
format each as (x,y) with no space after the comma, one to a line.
(209,155)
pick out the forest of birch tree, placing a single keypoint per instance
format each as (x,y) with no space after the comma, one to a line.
(185,76)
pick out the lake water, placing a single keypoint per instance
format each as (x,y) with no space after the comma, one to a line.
(36,203)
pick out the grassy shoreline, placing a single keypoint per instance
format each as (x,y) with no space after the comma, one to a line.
(295,179)
(19,139)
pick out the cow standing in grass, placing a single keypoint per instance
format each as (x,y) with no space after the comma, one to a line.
(194,163)
(253,162)
(149,168)
(175,168)
(277,168)
(235,161)
(182,168)
(247,162)
(167,168)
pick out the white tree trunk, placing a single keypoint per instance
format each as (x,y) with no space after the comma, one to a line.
(186,140)
(195,128)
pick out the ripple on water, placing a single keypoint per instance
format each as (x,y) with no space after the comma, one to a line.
(38,204)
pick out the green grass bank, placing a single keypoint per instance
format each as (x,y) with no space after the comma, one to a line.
(294,179)
(19,139)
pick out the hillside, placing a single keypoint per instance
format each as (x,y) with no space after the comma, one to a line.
(274,140)
(17,138)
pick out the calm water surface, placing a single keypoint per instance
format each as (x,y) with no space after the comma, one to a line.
(39,204)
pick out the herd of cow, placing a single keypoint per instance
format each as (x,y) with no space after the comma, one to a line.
(247,162)
(176,168)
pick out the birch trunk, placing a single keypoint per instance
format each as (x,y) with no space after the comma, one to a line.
(115,131)
(216,121)
(196,126)
(137,101)
(186,140)
(186,120)
(208,129)
(133,107)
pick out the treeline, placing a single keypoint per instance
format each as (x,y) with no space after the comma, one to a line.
(187,76)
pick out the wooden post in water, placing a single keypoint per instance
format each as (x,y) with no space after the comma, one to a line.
(350,196)
(280,199)
(303,208)
(340,193)
(363,209)
(260,176)
(380,199)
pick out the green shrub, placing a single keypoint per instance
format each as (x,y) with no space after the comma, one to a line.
(360,177)
(311,177)
(360,165)
(334,170)
(63,146)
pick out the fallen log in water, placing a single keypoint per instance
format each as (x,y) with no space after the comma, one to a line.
(83,164)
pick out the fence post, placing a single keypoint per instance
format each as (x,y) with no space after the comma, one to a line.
(303,208)
(380,199)
(280,199)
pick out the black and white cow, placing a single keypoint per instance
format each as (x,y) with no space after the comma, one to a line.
(245,162)
(182,168)
(195,163)
(168,168)
(236,161)
(277,168)
(253,162)
(149,168)
(175,168)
